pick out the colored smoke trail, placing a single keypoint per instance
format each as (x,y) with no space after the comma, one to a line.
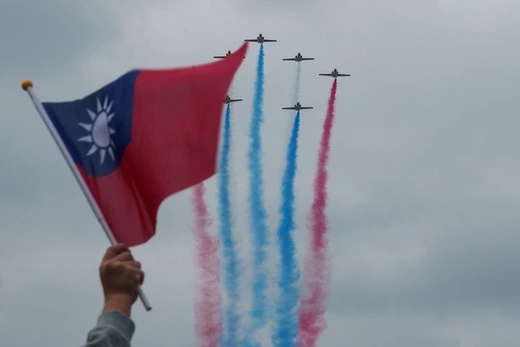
(208,323)
(258,213)
(317,265)
(231,263)
(286,323)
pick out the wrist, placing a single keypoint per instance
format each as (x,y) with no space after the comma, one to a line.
(118,302)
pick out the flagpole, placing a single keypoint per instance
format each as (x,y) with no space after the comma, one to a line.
(27,86)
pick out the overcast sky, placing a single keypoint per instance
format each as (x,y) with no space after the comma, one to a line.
(424,170)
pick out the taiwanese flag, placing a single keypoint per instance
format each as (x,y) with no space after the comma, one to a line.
(144,137)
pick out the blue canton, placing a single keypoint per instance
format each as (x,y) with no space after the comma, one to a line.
(97,129)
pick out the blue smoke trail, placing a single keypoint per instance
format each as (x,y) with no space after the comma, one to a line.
(286,325)
(231,263)
(258,213)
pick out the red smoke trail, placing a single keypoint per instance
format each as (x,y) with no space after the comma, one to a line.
(316,271)
(208,320)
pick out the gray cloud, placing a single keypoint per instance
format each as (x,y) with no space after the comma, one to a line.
(46,37)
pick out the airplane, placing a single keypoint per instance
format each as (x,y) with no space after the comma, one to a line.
(298,58)
(228,100)
(259,39)
(297,107)
(222,56)
(334,74)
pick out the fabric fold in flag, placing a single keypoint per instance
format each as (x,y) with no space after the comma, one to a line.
(145,136)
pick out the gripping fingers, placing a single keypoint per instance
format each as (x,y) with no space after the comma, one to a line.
(135,264)
(114,250)
(124,256)
(139,276)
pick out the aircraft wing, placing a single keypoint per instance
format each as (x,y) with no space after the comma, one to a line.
(325,74)
(306,108)
(289,59)
(251,40)
(233,100)
(266,40)
(307,58)
(289,108)
(219,57)
(342,74)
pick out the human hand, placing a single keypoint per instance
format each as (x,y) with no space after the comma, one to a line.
(120,276)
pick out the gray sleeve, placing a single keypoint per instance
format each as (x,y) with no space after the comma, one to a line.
(113,329)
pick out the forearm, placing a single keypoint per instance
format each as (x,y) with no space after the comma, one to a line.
(118,302)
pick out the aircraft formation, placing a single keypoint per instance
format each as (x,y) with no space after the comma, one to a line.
(298,58)
(227,100)
(297,107)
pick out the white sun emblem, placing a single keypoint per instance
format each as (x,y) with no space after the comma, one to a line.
(100,131)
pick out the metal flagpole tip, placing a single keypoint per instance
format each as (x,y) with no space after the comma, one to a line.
(26,84)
